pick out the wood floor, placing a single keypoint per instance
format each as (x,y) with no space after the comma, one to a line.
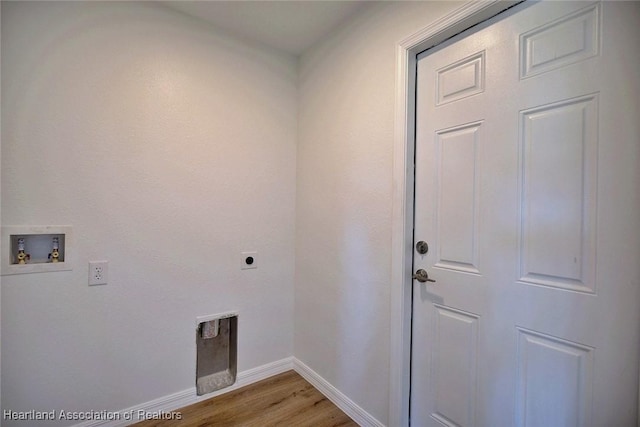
(282,400)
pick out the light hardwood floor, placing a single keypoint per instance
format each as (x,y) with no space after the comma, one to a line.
(282,400)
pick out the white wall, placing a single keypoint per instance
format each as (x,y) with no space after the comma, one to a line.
(344,200)
(170,148)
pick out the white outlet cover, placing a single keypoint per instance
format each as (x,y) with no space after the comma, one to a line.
(98,272)
(248,260)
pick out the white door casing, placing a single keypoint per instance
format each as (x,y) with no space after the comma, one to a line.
(527,191)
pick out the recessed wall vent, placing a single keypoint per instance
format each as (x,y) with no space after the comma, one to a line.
(217,351)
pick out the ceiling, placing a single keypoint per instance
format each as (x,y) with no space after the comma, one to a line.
(291,26)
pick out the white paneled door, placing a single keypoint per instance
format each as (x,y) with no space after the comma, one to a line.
(528,198)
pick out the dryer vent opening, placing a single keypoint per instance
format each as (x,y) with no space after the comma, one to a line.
(217,350)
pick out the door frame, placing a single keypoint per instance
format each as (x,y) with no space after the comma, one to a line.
(461,19)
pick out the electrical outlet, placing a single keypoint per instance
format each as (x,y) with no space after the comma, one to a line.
(248,260)
(98,272)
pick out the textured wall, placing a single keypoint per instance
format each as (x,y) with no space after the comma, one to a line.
(344,200)
(170,148)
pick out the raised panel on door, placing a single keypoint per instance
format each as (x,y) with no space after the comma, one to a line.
(567,40)
(454,366)
(554,381)
(558,187)
(461,79)
(457,197)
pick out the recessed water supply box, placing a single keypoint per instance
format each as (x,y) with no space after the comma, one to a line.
(216,352)
(36,249)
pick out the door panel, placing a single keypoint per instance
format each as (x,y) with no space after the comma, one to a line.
(457,215)
(554,381)
(571,38)
(528,194)
(558,172)
(454,365)
(461,79)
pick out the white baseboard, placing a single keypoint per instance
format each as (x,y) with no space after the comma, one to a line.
(166,404)
(348,406)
